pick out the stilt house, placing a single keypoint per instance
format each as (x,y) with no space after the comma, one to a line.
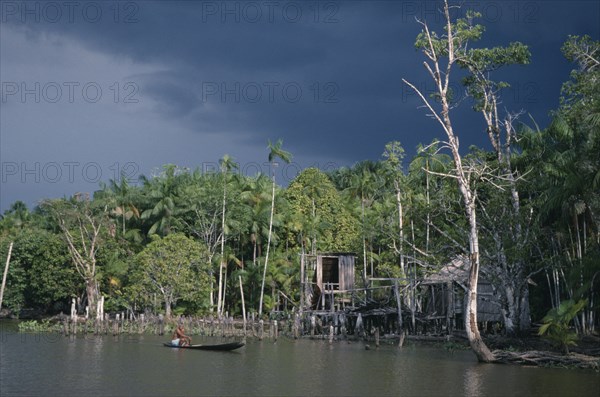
(331,278)
(447,292)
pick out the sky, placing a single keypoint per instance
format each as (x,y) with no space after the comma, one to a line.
(91,91)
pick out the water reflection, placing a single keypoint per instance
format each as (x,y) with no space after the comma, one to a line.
(140,365)
(473,381)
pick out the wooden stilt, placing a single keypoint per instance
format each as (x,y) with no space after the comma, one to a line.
(261,329)
(243,304)
(399,303)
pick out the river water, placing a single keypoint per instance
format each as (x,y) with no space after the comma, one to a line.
(50,364)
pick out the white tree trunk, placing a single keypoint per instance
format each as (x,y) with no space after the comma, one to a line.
(5,274)
(262,288)
(477,345)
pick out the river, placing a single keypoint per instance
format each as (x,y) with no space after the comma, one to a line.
(50,364)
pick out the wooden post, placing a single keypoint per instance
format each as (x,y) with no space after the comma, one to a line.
(449,307)
(253,327)
(377,336)
(10,247)
(296,325)
(243,304)
(330,333)
(399,303)
(359,328)
(100,310)
(302,281)
(332,298)
(116,325)
(261,329)
(275,330)
(73,309)
(161,325)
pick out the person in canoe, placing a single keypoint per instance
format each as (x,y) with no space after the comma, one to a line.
(179,337)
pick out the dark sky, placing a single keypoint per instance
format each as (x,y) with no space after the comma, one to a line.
(90,89)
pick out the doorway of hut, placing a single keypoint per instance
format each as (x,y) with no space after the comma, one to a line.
(331,272)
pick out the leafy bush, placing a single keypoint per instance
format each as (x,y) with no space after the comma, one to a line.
(556,324)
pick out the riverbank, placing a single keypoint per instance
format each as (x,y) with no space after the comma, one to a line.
(529,349)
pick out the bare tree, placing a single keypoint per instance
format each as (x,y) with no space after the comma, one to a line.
(442,53)
(82,227)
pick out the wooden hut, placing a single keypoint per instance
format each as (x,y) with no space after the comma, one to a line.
(446,291)
(331,278)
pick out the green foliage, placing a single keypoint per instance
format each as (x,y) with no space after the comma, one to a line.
(318,209)
(463,31)
(16,217)
(40,272)
(52,276)
(480,62)
(555,325)
(39,326)
(160,199)
(173,267)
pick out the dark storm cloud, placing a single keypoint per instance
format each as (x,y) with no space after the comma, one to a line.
(324,76)
(174,97)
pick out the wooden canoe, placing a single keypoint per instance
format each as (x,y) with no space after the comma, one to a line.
(221,346)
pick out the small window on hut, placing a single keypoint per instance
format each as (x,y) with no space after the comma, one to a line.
(331,271)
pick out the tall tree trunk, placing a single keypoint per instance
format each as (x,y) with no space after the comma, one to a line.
(401,227)
(477,345)
(262,288)
(362,203)
(168,304)
(427,201)
(221,263)
(5,274)
(91,289)
(212,282)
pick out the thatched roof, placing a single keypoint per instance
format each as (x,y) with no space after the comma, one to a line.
(456,270)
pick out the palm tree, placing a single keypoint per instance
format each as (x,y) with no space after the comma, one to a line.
(275,151)
(162,191)
(364,184)
(256,196)
(123,195)
(393,154)
(422,169)
(18,214)
(227,164)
